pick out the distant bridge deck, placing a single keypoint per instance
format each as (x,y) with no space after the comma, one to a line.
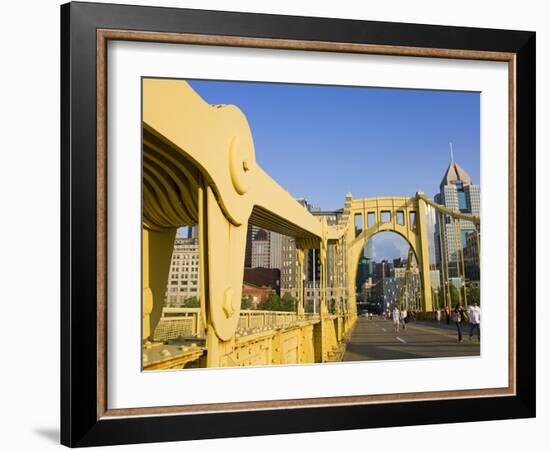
(375,340)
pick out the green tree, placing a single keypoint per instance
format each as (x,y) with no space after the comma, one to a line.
(454,295)
(288,302)
(191,302)
(473,294)
(275,303)
(246,302)
(270,303)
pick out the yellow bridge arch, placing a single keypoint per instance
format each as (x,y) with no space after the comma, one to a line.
(406,216)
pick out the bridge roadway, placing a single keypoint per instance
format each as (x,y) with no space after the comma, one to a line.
(375,340)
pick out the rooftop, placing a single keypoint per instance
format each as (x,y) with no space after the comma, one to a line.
(455,173)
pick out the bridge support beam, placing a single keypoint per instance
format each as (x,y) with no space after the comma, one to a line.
(300,257)
(157,254)
(423,254)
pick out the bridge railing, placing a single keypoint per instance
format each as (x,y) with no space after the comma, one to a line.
(185,322)
(176,322)
(250,319)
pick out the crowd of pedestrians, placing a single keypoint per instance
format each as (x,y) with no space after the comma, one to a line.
(459,317)
(400,318)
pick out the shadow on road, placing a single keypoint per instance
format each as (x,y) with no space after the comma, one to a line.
(373,340)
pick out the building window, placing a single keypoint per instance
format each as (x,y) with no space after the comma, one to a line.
(462,201)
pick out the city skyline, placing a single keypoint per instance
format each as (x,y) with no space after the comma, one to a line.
(415,126)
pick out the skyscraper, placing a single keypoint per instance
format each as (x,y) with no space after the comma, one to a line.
(193,232)
(456,192)
(289,266)
(336,269)
(275,250)
(362,273)
(183,278)
(263,248)
(365,267)
(289,262)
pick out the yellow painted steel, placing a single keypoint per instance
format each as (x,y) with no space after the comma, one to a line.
(157,253)
(450,212)
(199,168)
(405,216)
(192,148)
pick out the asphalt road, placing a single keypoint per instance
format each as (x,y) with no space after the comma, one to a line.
(375,340)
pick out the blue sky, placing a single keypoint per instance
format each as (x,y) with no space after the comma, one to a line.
(320,142)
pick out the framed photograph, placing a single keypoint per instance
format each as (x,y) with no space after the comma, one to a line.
(277,224)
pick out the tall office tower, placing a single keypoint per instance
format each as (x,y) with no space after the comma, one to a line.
(289,262)
(183,278)
(382,269)
(193,232)
(456,192)
(399,262)
(248,249)
(336,268)
(251,233)
(260,249)
(362,273)
(289,267)
(368,254)
(274,250)
(263,248)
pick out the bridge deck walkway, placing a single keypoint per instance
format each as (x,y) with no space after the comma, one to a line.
(376,340)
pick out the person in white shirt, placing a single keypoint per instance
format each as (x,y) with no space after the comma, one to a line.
(438,316)
(474,313)
(395,317)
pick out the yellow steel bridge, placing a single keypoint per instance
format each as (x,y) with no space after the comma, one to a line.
(199,168)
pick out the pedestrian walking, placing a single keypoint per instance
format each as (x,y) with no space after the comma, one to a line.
(457,319)
(404,319)
(438,316)
(474,313)
(463,317)
(448,315)
(395,317)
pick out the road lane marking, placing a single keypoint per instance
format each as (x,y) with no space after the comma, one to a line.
(426,328)
(383,329)
(401,340)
